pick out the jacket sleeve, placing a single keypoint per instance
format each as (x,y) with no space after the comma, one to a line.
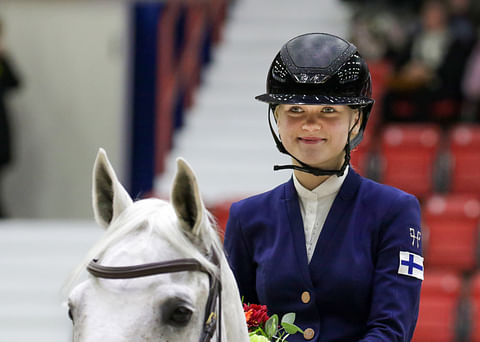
(240,258)
(396,290)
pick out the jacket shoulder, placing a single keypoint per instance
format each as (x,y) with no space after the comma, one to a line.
(384,196)
(370,188)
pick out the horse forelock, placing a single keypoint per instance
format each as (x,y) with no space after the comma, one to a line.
(153,216)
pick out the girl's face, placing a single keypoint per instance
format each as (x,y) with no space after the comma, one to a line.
(317,134)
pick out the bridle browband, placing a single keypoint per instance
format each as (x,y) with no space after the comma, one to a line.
(144,270)
(172,266)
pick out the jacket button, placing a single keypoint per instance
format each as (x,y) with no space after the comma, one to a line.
(308,333)
(306,297)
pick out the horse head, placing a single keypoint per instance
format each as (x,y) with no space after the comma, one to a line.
(157,271)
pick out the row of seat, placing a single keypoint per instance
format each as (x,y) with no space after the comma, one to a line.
(449,308)
(450,232)
(439,308)
(450,228)
(422,158)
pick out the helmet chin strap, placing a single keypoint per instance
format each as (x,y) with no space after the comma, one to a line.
(305,167)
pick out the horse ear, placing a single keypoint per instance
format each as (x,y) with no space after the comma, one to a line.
(186,198)
(109,196)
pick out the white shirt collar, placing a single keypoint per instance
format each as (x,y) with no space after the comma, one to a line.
(330,186)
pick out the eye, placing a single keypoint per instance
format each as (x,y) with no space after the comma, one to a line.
(180,316)
(328,110)
(177,311)
(296,109)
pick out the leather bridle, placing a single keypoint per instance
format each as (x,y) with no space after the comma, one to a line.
(212,319)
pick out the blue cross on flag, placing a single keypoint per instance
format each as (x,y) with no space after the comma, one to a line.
(411,265)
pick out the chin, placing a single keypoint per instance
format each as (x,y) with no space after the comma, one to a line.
(324,165)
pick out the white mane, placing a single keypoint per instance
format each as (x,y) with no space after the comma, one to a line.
(156,217)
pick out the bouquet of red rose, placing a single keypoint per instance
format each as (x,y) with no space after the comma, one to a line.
(262,328)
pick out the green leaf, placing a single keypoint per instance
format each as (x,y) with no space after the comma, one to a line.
(258,338)
(271,326)
(291,328)
(289,318)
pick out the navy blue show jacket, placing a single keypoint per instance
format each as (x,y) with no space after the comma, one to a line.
(352,289)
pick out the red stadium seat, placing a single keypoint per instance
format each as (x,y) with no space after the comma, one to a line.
(408,154)
(220,212)
(464,151)
(380,71)
(444,110)
(475,308)
(438,307)
(451,224)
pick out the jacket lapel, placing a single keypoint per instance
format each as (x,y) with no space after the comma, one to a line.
(296,228)
(338,214)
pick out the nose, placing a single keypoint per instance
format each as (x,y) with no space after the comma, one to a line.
(311,124)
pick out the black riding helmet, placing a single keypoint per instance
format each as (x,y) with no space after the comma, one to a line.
(319,68)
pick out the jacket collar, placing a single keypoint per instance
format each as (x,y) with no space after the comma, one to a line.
(329,187)
(347,190)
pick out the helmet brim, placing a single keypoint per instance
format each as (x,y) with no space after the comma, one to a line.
(313,99)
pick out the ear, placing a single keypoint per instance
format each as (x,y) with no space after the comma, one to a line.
(357,121)
(186,199)
(109,196)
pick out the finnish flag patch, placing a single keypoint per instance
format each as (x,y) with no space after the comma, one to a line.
(411,265)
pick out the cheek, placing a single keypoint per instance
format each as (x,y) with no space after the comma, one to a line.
(281,128)
(286,127)
(339,129)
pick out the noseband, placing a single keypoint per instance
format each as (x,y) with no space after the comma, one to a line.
(178,265)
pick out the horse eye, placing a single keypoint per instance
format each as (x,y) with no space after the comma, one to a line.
(180,316)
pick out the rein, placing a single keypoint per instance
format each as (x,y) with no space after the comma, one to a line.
(172,266)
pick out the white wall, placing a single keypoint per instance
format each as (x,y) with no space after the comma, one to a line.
(46,252)
(72,56)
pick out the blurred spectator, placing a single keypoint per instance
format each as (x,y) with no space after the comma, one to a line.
(379,31)
(392,4)
(475,12)
(425,85)
(471,86)
(462,22)
(8,81)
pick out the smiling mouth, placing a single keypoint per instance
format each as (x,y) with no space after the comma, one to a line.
(311,140)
